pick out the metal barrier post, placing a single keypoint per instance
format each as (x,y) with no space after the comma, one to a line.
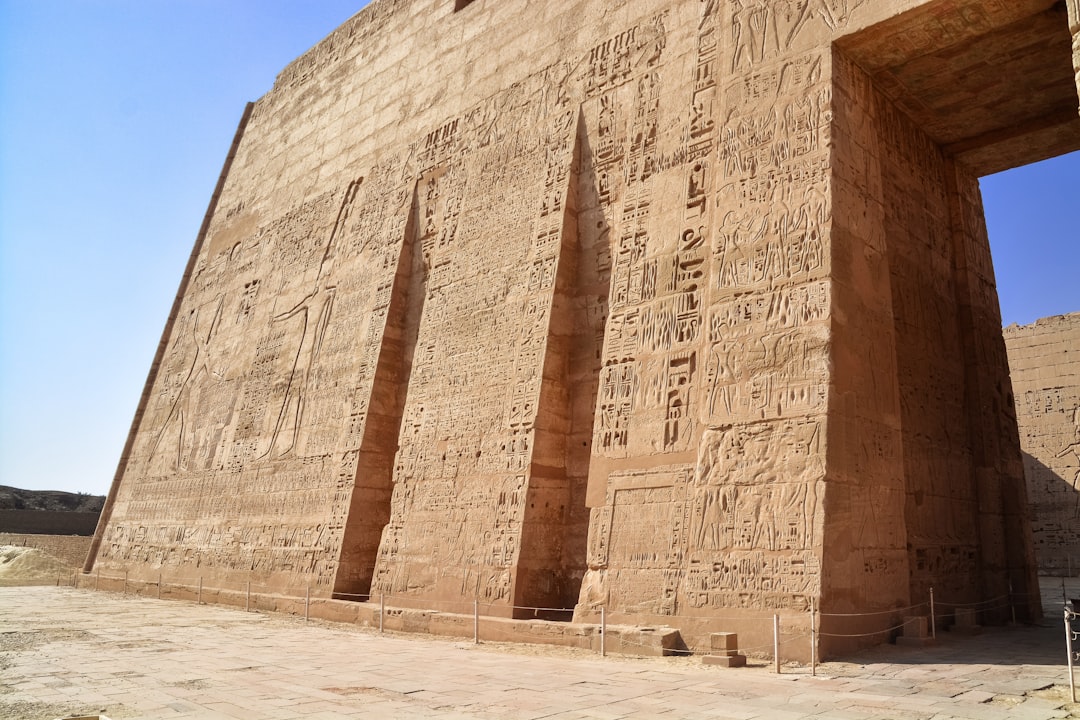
(813,641)
(382,609)
(1012,605)
(776,641)
(307,602)
(603,632)
(476,621)
(933,616)
(1069,648)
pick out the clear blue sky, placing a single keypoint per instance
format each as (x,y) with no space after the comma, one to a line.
(115,117)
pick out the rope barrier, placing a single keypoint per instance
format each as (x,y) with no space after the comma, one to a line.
(265,589)
(627,642)
(973,604)
(869,634)
(528,607)
(869,614)
(466,604)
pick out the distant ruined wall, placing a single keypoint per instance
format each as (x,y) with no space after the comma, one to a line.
(48,522)
(667,308)
(1044,360)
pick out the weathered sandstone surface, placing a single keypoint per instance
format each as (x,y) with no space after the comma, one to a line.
(680,309)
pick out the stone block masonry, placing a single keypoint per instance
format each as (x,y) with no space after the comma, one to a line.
(48,522)
(679,310)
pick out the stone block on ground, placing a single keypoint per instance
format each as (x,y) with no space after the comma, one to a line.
(725,650)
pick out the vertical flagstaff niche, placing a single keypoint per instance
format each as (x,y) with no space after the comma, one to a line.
(369,506)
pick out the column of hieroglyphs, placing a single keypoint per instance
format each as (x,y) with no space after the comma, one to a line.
(549,565)
(710,435)
(1044,360)
(756,502)
(375,408)
(652,310)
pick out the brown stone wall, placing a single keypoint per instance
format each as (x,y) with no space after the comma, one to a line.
(865,563)
(943,448)
(908,213)
(1006,553)
(485,396)
(48,522)
(1044,360)
(941,506)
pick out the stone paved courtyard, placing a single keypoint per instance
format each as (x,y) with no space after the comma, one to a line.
(66,652)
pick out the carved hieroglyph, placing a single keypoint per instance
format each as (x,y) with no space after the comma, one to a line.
(679,309)
(1044,361)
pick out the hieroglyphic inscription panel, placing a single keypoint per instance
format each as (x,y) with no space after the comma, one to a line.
(261,398)
(718,330)
(737,529)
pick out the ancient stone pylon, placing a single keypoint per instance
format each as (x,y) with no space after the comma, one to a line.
(680,309)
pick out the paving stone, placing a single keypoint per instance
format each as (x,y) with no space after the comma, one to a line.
(342,671)
(976,696)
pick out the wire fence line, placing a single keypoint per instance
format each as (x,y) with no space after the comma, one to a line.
(891,611)
(1072,635)
(789,627)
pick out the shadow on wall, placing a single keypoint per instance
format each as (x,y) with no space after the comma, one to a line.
(1055,511)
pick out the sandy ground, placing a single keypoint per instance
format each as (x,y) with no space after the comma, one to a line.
(23,566)
(65,650)
(55,661)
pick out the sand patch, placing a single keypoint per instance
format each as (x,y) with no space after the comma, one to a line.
(30,566)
